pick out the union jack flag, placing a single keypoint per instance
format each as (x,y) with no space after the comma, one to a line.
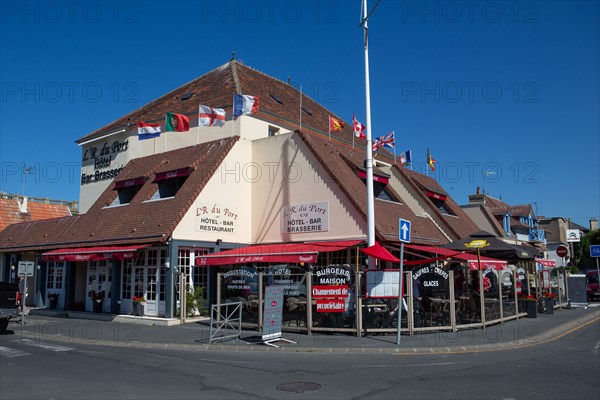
(385,140)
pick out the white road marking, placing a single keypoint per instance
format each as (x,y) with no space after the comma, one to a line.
(51,347)
(9,353)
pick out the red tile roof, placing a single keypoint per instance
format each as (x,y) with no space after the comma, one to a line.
(460,224)
(11,214)
(137,222)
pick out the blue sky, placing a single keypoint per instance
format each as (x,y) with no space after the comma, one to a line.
(504,94)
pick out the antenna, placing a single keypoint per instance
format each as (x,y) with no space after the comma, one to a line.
(24,172)
(487,174)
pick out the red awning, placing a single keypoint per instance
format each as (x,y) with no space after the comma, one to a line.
(486,262)
(546,263)
(280,253)
(380,252)
(94,253)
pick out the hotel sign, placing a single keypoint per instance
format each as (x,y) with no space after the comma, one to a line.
(305,218)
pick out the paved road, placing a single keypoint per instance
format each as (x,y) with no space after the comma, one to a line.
(120,361)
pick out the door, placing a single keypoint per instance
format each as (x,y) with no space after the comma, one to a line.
(151,287)
(55,285)
(98,286)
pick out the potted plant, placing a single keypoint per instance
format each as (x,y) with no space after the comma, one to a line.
(138,305)
(97,298)
(530,302)
(549,302)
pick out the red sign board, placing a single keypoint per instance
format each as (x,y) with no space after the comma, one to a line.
(332,305)
(323,292)
(561,251)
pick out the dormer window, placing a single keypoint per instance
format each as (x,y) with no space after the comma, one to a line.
(170,182)
(439,200)
(126,190)
(380,182)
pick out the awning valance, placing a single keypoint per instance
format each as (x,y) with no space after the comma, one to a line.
(546,263)
(279,253)
(94,253)
(471,259)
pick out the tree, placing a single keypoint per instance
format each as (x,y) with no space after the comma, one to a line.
(582,250)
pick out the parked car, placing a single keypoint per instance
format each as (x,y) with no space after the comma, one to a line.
(592,287)
(9,304)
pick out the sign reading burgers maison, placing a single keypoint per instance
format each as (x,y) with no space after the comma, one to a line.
(305,217)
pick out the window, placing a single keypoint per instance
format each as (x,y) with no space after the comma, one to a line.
(273,131)
(381,193)
(276,98)
(126,190)
(170,182)
(441,206)
(380,182)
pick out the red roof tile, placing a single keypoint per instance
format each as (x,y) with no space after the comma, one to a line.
(10,212)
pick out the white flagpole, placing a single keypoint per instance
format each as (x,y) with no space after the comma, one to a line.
(198,142)
(369,150)
(329,126)
(300,110)
(233,113)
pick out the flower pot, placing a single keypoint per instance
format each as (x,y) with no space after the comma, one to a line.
(97,304)
(138,309)
(549,306)
(53,302)
(531,309)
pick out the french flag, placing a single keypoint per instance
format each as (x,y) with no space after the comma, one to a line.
(148,131)
(406,157)
(244,104)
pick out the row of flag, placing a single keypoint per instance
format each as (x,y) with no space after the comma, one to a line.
(207,116)
(389,140)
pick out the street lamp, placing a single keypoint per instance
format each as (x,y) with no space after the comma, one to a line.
(479,244)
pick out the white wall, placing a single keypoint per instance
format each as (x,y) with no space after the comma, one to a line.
(290,175)
(223,209)
(105,155)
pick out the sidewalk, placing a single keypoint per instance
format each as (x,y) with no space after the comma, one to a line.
(194,336)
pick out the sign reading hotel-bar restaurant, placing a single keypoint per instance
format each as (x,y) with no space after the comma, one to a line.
(305,218)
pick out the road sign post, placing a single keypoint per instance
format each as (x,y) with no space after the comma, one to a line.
(595,252)
(404,236)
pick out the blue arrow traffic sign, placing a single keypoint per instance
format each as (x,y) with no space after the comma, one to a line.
(404,231)
(595,250)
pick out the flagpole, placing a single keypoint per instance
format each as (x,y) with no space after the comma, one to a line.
(369,150)
(300,110)
(329,126)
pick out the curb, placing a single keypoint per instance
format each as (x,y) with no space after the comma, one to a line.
(552,334)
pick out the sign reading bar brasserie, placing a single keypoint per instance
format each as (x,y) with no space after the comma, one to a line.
(305,218)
